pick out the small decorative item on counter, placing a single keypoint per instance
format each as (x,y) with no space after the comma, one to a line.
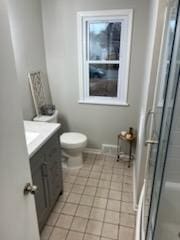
(48,109)
(130,134)
(123,133)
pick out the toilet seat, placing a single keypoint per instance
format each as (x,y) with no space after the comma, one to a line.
(73,140)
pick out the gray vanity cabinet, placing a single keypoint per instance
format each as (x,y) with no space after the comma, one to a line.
(39,176)
(54,168)
(47,176)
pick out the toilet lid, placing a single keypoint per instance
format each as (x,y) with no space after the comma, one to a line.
(73,140)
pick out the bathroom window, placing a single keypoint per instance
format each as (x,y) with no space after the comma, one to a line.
(104,39)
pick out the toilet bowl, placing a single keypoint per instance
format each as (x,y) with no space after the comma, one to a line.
(72,143)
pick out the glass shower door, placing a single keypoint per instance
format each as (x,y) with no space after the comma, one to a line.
(164,221)
(168,214)
(164,107)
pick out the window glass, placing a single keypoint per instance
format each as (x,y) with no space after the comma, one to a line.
(103,79)
(104,40)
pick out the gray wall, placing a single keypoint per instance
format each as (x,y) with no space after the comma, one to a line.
(28,44)
(100,123)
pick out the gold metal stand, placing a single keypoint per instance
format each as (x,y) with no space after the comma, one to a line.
(130,141)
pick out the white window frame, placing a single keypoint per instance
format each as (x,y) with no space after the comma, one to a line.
(125,16)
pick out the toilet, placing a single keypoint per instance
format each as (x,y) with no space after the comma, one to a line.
(72,143)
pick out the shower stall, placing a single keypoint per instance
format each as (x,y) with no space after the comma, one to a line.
(159,206)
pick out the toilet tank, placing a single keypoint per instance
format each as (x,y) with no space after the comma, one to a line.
(43,118)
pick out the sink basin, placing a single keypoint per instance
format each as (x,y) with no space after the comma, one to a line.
(31,136)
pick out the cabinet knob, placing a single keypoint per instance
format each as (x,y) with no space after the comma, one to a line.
(29,188)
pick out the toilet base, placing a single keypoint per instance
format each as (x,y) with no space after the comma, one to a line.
(73,161)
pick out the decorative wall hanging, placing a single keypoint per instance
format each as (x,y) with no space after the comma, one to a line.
(37,90)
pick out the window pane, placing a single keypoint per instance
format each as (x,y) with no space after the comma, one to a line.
(104,40)
(103,79)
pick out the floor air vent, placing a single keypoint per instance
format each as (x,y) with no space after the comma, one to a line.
(109,149)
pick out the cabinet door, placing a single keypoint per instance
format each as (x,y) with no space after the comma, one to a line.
(39,177)
(53,158)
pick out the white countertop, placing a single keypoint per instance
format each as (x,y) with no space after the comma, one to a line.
(42,131)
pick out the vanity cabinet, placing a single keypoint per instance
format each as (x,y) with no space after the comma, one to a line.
(40,179)
(46,172)
(54,167)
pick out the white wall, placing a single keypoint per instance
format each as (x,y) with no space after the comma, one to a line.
(100,123)
(28,45)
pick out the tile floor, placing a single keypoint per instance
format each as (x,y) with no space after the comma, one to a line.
(96,203)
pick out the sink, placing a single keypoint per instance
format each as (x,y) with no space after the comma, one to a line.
(31,136)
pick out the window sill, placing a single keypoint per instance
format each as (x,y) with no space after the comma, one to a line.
(111,103)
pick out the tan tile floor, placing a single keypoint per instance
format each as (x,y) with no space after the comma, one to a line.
(96,203)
